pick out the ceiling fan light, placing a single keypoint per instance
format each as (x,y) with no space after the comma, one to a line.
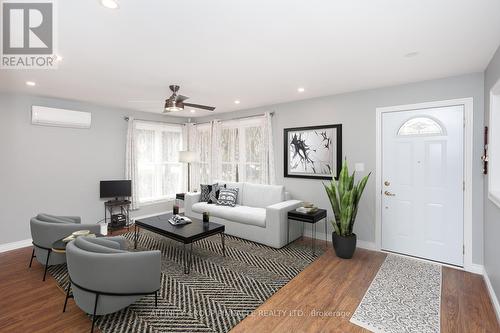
(171,106)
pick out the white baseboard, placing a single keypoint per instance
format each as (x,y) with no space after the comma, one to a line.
(360,243)
(475,268)
(15,245)
(493,296)
(319,235)
(367,245)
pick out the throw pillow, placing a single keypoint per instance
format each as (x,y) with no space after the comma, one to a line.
(227,197)
(205,192)
(214,193)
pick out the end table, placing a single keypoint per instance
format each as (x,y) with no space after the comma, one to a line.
(311,218)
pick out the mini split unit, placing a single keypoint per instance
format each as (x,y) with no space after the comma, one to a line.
(41,115)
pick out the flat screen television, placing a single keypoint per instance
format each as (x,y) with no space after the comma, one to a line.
(116,188)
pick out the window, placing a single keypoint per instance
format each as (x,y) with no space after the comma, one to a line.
(420,126)
(203,144)
(494,146)
(253,145)
(242,151)
(159,173)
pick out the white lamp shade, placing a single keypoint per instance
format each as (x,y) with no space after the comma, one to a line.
(188,156)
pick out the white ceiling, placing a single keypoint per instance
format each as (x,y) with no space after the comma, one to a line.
(257,51)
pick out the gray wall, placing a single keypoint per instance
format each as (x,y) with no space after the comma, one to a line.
(356,112)
(57,170)
(492,212)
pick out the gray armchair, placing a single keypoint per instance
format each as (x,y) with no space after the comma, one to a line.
(105,278)
(46,229)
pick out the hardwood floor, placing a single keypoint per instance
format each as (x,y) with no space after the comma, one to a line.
(328,285)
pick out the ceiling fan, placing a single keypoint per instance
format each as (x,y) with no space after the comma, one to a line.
(176,102)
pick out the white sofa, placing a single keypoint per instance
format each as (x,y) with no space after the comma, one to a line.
(260,214)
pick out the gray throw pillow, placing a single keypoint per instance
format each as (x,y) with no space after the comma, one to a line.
(228,197)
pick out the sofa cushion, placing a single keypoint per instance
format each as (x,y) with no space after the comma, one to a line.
(239,186)
(53,219)
(238,214)
(258,195)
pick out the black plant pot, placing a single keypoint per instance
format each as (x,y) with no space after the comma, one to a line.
(344,246)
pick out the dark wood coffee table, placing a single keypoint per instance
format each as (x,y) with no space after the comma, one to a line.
(186,234)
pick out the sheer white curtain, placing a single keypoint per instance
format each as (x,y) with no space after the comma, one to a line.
(131,162)
(200,141)
(243,150)
(270,174)
(216,153)
(229,153)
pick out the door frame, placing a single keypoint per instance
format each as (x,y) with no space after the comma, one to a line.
(468,104)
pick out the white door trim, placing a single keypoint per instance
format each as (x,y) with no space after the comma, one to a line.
(468,161)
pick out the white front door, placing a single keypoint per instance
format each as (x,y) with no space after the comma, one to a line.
(422,183)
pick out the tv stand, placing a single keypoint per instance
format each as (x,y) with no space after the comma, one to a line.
(110,206)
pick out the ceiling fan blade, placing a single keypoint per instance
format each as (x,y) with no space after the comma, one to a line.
(199,106)
(181,98)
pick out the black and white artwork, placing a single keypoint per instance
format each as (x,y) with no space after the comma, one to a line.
(313,152)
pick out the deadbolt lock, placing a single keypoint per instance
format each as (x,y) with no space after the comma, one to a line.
(387,183)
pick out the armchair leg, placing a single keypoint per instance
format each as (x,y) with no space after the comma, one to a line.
(32,256)
(67,296)
(46,264)
(156,299)
(93,315)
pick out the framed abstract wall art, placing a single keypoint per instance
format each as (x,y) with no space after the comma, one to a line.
(313,152)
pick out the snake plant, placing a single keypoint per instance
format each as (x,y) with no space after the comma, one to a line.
(344,197)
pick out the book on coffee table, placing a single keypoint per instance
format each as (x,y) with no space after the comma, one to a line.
(179,220)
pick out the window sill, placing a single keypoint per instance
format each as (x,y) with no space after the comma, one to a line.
(494,197)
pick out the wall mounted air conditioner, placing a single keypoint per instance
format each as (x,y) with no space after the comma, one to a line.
(41,115)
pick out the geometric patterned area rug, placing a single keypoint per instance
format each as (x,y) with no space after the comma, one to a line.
(216,295)
(404,296)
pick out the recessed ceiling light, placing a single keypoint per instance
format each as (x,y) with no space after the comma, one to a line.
(111,4)
(193,111)
(237,102)
(301,90)
(411,54)
(31,83)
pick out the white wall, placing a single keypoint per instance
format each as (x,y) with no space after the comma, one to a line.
(356,112)
(492,212)
(57,170)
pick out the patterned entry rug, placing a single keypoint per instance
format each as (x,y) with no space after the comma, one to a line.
(218,293)
(405,296)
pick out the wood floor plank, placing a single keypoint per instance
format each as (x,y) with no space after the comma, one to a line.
(321,298)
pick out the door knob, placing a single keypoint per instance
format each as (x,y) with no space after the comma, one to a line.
(389,194)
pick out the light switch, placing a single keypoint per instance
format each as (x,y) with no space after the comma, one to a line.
(359,167)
